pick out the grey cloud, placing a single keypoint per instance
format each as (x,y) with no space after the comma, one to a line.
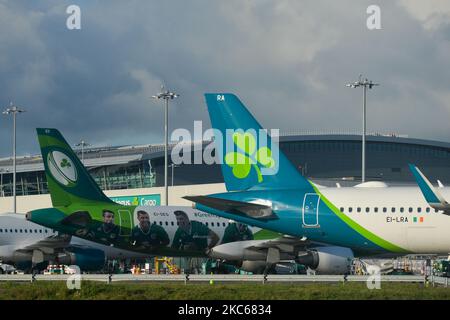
(288,60)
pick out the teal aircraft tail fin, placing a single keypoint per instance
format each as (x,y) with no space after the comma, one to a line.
(250,157)
(431,195)
(68,180)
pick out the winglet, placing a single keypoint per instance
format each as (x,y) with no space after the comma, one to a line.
(432,196)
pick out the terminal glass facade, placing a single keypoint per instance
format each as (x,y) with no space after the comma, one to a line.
(317,157)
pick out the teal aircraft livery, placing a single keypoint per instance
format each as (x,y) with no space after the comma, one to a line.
(368,219)
(80,208)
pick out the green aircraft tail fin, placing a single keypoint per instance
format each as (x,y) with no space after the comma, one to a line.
(68,180)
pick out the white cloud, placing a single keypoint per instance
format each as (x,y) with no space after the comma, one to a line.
(431,13)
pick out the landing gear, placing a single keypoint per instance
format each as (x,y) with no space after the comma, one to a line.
(269,269)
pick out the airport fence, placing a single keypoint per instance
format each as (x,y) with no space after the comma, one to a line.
(226,278)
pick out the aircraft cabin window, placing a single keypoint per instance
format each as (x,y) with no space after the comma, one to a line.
(20,230)
(154,222)
(26,231)
(410,209)
(10,230)
(358,209)
(367,209)
(384,209)
(223,224)
(212,224)
(31,230)
(46,231)
(178,223)
(436,210)
(40,230)
(375,209)
(419,209)
(15,230)
(427,210)
(402,209)
(160,223)
(342,210)
(171,223)
(393,209)
(35,231)
(167,223)
(1,230)
(350,209)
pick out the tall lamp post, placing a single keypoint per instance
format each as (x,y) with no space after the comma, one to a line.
(364,84)
(13,110)
(166,95)
(82,144)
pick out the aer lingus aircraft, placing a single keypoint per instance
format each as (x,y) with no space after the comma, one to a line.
(26,246)
(81,209)
(266,190)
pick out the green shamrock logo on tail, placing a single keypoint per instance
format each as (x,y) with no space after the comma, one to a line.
(242,163)
(65,163)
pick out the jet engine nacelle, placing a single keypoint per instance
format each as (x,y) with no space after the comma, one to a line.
(327,260)
(238,251)
(86,259)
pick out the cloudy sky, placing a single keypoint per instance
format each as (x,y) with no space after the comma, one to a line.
(287,60)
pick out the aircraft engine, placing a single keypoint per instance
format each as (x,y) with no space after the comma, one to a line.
(238,251)
(86,259)
(327,260)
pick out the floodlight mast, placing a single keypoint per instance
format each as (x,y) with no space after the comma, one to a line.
(166,95)
(14,110)
(364,84)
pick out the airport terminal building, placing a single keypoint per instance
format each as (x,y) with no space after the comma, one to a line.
(330,157)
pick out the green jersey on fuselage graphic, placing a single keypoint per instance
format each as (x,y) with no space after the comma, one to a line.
(154,236)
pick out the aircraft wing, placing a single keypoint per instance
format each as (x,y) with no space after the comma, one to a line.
(432,196)
(285,243)
(252,210)
(47,245)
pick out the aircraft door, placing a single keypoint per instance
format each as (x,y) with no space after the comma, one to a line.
(126,222)
(310,212)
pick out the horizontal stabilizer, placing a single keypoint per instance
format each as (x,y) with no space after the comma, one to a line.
(251,210)
(432,196)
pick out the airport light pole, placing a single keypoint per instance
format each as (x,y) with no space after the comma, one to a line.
(14,110)
(82,144)
(166,95)
(364,84)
